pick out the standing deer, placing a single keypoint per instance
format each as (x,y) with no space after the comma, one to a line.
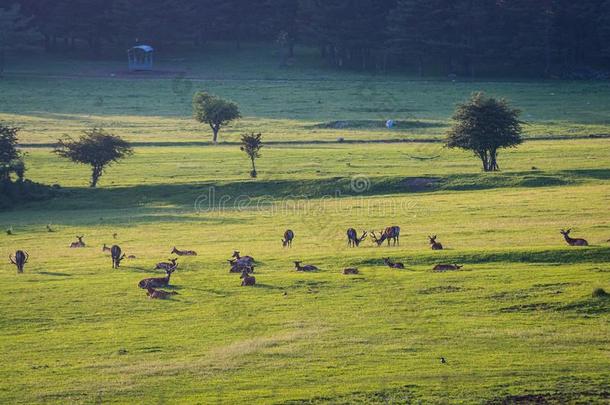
(115,252)
(79,243)
(391,233)
(183,252)
(352,237)
(159,294)
(393,265)
(434,244)
(288,237)
(166,265)
(307,267)
(572,241)
(20,259)
(106,249)
(446,267)
(156,282)
(247,280)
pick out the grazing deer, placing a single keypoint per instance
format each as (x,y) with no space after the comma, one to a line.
(159,294)
(307,267)
(247,280)
(350,270)
(288,237)
(166,265)
(352,237)
(183,252)
(79,244)
(392,264)
(115,252)
(434,244)
(572,241)
(20,259)
(446,267)
(106,249)
(239,258)
(156,282)
(391,233)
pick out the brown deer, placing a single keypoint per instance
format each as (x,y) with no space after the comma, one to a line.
(156,282)
(238,267)
(572,241)
(79,243)
(446,267)
(116,252)
(166,265)
(350,270)
(288,237)
(434,244)
(352,237)
(106,249)
(183,252)
(247,259)
(391,233)
(131,257)
(307,267)
(20,259)
(392,264)
(159,294)
(247,280)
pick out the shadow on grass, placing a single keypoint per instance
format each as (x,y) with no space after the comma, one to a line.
(261,194)
(50,273)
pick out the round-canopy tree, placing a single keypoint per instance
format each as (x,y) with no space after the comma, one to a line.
(96,148)
(11,159)
(484,125)
(252,144)
(214,111)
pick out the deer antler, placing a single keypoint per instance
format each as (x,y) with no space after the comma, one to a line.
(11,259)
(27,256)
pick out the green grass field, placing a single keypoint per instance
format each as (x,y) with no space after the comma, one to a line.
(518,323)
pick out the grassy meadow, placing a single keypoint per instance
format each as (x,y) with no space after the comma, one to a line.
(518,323)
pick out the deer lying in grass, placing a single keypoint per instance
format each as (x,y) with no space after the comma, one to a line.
(307,267)
(183,252)
(106,249)
(156,282)
(131,257)
(434,244)
(247,279)
(117,256)
(238,267)
(392,264)
(243,259)
(391,233)
(166,265)
(446,267)
(20,259)
(572,241)
(79,244)
(288,237)
(159,294)
(350,270)
(352,237)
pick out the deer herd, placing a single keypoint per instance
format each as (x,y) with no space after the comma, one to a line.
(244,265)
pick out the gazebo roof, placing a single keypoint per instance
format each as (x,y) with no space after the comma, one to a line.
(145,48)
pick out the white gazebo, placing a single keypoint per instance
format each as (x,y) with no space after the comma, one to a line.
(140,57)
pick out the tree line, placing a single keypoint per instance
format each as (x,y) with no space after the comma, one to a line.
(428,37)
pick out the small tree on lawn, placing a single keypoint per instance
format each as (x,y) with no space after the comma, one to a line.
(214,111)
(11,159)
(252,144)
(96,148)
(484,125)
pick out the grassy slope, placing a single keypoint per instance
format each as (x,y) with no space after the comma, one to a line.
(518,320)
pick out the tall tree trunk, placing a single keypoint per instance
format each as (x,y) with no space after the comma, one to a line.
(96,173)
(253,173)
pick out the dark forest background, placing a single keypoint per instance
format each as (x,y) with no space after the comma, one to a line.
(550,38)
